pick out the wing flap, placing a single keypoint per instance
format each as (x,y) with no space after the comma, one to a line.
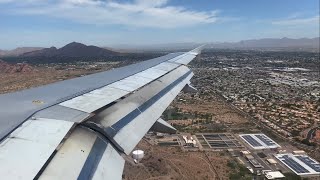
(96,99)
(166,66)
(62,113)
(131,103)
(152,73)
(23,154)
(130,135)
(127,121)
(101,97)
(85,155)
(131,83)
(184,59)
(111,165)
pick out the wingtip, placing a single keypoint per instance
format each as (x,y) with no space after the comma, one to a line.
(198,50)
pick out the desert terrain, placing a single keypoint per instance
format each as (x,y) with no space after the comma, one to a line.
(173,163)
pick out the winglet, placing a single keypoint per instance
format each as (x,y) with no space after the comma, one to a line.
(163,127)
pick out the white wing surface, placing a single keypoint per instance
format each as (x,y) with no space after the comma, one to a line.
(81,128)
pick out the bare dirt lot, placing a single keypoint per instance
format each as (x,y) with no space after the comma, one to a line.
(218,109)
(10,82)
(162,162)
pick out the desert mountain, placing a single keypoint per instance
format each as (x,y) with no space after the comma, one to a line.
(285,43)
(18,51)
(14,68)
(73,49)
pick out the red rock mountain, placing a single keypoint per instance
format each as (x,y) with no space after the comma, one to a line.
(14,68)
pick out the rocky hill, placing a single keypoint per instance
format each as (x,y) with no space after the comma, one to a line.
(14,68)
(73,49)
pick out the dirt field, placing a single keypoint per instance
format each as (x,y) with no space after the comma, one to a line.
(10,82)
(220,112)
(172,163)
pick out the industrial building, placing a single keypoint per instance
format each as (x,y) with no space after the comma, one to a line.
(189,141)
(259,141)
(302,165)
(255,163)
(273,175)
(272,161)
(297,152)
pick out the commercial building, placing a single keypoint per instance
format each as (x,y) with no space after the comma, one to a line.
(259,141)
(272,161)
(189,141)
(299,152)
(302,165)
(273,175)
(255,163)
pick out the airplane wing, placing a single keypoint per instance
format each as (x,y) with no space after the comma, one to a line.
(83,127)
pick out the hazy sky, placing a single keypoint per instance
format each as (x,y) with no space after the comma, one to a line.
(139,22)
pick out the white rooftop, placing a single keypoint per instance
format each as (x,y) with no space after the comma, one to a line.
(300,164)
(274,175)
(272,161)
(259,141)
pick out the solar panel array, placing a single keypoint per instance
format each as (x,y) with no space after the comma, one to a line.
(265,140)
(251,141)
(294,165)
(300,164)
(311,163)
(259,141)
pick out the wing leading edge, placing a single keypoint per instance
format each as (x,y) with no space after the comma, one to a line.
(85,135)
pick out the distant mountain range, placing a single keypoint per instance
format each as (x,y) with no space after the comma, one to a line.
(73,49)
(302,44)
(271,43)
(155,47)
